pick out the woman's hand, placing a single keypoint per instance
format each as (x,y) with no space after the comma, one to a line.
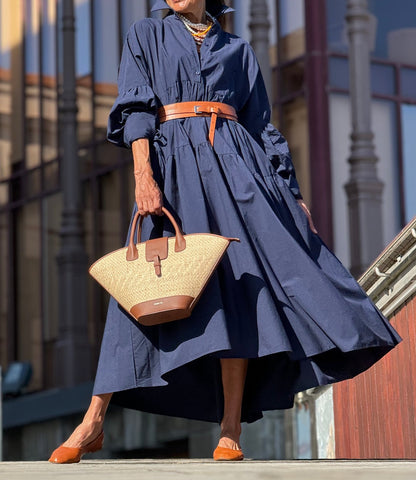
(308,214)
(148,195)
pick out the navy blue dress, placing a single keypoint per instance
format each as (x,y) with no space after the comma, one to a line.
(280,297)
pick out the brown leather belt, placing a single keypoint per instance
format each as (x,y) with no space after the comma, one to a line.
(198,109)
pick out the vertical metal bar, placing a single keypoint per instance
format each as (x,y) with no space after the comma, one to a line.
(42,199)
(120,170)
(93,89)
(18,137)
(124,200)
(279,70)
(72,349)
(398,108)
(1,416)
(18,157)
(318,118)
(12,291)
(119,19)
(94,180)
(41,92)
(57,83)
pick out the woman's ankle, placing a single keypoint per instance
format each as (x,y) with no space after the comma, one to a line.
(97,409)
(84,433)
(230,439)
(93,420)
(231,430)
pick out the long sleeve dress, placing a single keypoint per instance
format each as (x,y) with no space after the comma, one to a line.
(279,297)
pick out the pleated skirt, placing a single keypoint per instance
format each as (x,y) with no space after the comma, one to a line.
(280,297)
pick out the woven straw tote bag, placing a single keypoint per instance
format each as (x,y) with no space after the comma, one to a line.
(160,280)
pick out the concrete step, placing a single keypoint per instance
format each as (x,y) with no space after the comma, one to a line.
(208,469)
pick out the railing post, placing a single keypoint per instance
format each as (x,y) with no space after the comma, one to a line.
(364,189)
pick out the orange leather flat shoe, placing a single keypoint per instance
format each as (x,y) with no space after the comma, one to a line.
(73,454)
(227,454)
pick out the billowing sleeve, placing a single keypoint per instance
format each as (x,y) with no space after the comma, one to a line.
(255,117)
(134,113)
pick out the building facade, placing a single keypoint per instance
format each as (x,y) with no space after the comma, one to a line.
(308,82)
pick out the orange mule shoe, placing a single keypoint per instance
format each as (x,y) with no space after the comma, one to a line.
(74,454)
(227,454)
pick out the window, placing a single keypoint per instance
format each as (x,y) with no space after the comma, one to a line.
(106,41)
(83,37)
(5,35)
(32,26)
(392,17)
(336,36)
(291,16)
(48,38)
(291,29)
(409,159)
(408,83)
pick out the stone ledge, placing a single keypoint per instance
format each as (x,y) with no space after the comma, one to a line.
(391,278)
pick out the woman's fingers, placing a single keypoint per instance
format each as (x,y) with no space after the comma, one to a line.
(159,211)
(157,206)
(308,214)
(141,209)
(148,195)
(146,207)
(312,225)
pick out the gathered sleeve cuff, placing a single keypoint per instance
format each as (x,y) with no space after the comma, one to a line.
(134,112)
(277,150)
(133,116)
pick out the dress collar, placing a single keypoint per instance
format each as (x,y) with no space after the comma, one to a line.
(162,5)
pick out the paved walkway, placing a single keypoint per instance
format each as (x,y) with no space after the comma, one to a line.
(208,469)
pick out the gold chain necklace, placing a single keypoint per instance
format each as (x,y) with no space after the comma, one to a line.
(197,29)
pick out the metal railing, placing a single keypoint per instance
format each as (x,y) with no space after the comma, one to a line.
(1,417)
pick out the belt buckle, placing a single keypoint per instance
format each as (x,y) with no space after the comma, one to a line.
(209,111)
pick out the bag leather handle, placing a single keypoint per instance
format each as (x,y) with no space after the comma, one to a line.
(180,242)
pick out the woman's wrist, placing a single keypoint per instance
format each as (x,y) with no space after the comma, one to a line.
(141,157)
(142,172)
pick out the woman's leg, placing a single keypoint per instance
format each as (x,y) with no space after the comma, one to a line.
(92,424)
(233,371)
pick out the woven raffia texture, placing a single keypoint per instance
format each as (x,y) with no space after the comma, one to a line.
(183,273)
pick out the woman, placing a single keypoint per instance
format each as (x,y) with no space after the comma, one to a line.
(280,314)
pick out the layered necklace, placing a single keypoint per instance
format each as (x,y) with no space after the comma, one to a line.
(198,30)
